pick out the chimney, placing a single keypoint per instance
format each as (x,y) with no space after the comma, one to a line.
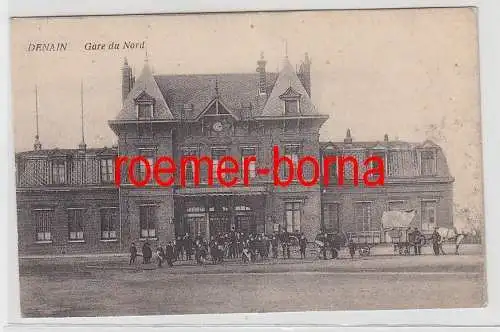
(261,69)
(348,138)
(127,80)
(304,74)
(386,138)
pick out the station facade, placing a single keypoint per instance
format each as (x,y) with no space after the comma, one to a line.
(68,202)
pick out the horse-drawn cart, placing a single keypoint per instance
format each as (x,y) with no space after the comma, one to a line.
(396,225)
(400,240)
(364,241)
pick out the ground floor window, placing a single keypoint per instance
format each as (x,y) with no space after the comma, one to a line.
(75,224)
(147,216)
(244,219)
(196,221)
(109,221)
(363,216)
(429,215)
(43,224)
(219,219)
(292,216)
(331,217)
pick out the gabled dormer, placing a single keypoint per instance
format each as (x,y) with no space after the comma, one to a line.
(144,104)
(291,102)
(217,108)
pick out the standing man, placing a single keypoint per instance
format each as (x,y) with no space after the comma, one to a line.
(411,241)
(133,253)
(188,246)
(179,248)
(418,241)
(161,255)
(324,239)
(352,248)
(145,253)
(275,244)
(169,254)
(436,239)
(285,244)
(303,245)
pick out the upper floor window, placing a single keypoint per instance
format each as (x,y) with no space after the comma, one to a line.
(329,165)
(106,170)
(217,155)
(144,111)
(377,162)
(58,172)
(292,151)
(141,168)
(428,163)
(247,153)
(189,165)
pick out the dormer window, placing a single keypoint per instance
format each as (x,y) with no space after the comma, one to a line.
(428,162)
(145,106)
(291,107)
(58,171)
(291,100)
(144,111)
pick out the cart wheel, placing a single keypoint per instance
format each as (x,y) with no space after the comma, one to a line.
(365,251)
(335,254)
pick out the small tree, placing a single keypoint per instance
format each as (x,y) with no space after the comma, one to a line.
(472,221)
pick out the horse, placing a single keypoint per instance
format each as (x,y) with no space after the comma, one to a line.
(452,234)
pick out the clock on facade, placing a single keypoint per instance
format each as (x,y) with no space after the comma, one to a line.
(217,126)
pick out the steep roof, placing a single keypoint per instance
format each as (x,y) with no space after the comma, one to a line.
(287,78)
(68,152)
(146,83)
(395,144)
(238,91)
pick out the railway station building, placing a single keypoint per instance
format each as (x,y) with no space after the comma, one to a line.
(68,201)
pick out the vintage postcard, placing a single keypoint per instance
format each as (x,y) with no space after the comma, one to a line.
(248,162)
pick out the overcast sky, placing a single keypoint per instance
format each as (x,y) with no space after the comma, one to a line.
(412,74)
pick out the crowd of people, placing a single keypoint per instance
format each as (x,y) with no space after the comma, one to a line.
(249,247)
(252,247)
